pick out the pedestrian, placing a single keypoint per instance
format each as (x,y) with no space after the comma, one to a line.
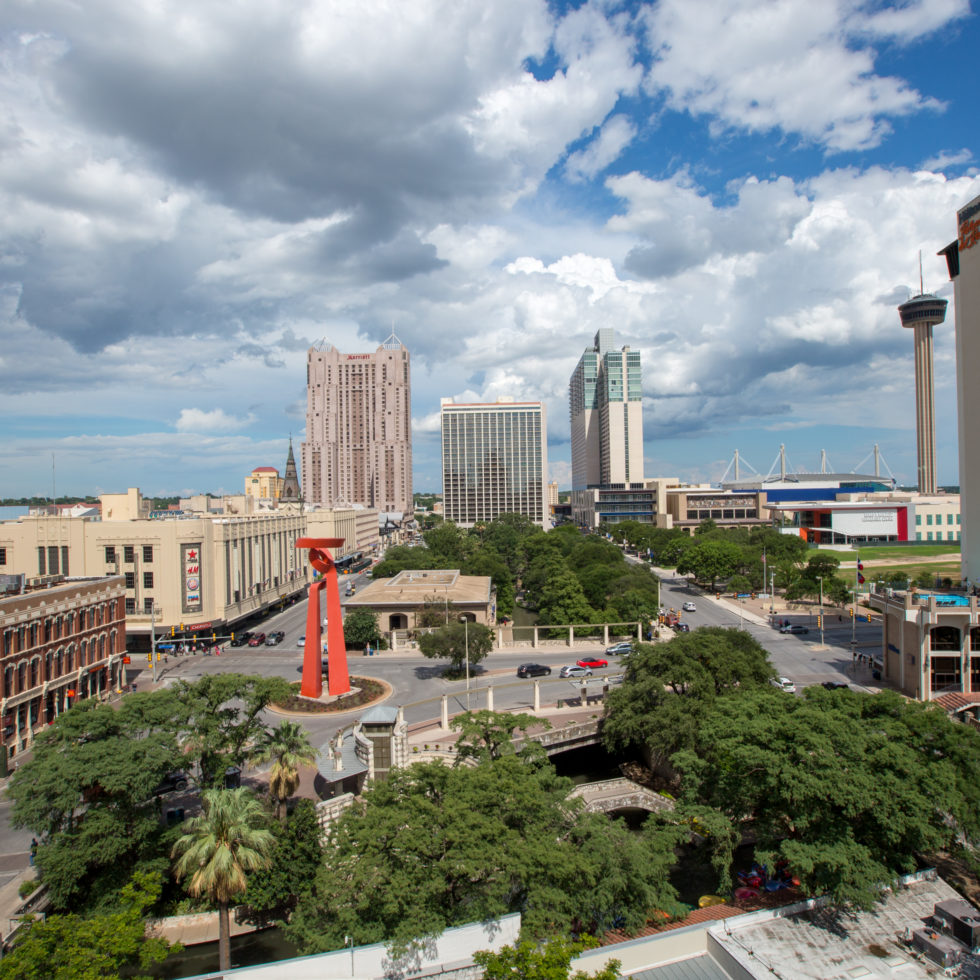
(33,850)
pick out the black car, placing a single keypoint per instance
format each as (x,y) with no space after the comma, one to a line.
(533,670)
(833,685)
(173,782)
(241,638)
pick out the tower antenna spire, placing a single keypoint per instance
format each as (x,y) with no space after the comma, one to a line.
(922,288)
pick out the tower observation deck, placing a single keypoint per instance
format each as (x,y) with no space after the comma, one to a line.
(922,313)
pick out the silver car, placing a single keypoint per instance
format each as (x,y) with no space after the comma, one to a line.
(573,670)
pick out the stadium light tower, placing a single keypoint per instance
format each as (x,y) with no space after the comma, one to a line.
(922,313)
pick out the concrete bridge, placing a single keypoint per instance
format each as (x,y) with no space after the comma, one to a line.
(620,794)
(560,739)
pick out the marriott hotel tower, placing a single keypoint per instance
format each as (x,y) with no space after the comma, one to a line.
(358,447)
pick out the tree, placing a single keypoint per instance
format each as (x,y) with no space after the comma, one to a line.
(434,611)
(709,560)
(527,960)
(289,748)
(72,947)
(87,794)
(487,735)
(434,847)
(228,840)
(361,628)
(670,688)
(457,643)
(225,721)
(294,861)
(849,788)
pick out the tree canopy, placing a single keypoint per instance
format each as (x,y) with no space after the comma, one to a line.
(75,947)
(458,643)
(436,846)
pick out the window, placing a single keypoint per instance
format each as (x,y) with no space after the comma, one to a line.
(148,552)
(53,566)
(129,554)
(148,606)
(949,518)
(42,561)
(130,605)
(929,536)
(110,554)
(64,559)
(3,556)
(131,578)
(928,518)
(918,535)
(48,630)
(147,580)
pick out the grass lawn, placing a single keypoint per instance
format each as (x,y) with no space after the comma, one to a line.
(897,553)
(899,572)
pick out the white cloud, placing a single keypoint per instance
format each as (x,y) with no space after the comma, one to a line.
(216,420)
(790,65)
(948,158)
(616,134)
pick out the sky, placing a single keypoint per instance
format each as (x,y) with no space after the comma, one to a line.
(193,194)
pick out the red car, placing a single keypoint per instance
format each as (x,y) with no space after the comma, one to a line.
(257,640)
(592,662)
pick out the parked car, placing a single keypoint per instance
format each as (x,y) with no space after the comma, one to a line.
(689,606)
(275,638)
(682,628)
(784,684)
(834,685)
(173,782)
(301,642)
(592,662)
(257,640)
(351,589)
(794,628)
(533,670)
(617,649)
(241,638)
(573,670)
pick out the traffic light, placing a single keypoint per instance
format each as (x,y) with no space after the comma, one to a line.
(214,637)
(232,637)
(852,612)
(819,622)
(182,627)
(149,659)
(171,632)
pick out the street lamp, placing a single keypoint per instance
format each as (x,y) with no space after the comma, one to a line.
(820,614)
(466,642)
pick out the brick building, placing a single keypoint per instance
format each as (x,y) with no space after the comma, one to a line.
(61,641)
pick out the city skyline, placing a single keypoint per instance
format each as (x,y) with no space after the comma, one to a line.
(740,188)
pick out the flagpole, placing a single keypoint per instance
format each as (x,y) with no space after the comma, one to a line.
(858,579)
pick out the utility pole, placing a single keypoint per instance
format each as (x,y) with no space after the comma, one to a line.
(772,596)
(854,607)
(466,641)
(820,615)
(153,640)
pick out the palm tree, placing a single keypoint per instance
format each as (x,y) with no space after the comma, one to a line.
(223,843)
(289,747)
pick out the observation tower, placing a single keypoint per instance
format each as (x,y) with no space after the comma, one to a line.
(922,313)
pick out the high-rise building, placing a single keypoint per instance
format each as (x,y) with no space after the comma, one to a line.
(922,313)
(358,447)
(263,483)
(606,408)
(963,260)
(494,461)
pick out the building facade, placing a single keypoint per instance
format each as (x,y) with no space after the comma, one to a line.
(264,483)
(605,395)
(358,447)
(200,572)
(494,461)
(963,260)
(62,641)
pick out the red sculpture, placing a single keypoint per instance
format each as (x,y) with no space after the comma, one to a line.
(338,679)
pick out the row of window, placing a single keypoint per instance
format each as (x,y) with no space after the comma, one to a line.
(129,554)
(52,559)
(24,676)
(131,580)
(19,638)
(726,513)
(950,519)
(948,638)
(937,536)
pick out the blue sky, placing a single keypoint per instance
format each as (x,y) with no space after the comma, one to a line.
(192,196)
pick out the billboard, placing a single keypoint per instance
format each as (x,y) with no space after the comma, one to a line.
(866,523)
(190,578)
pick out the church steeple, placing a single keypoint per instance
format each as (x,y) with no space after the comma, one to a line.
(290,482)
